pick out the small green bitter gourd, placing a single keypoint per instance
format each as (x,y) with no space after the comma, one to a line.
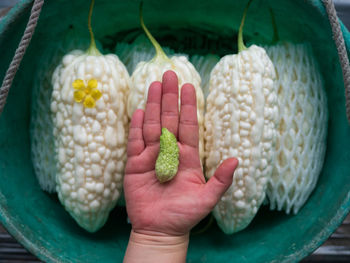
(168,157)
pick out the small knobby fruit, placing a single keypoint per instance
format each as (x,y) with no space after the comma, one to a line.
(168,157)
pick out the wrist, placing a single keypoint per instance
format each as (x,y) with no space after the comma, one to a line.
(156,247)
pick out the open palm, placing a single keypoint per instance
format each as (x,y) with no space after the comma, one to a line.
(174,207)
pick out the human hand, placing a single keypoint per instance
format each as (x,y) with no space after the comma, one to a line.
(172,208)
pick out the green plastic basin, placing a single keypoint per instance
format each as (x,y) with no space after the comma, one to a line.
(38,221)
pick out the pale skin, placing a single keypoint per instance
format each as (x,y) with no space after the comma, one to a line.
(162,215)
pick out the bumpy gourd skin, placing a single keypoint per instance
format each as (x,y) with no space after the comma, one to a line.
(168,157)
(241,121)
(90,143)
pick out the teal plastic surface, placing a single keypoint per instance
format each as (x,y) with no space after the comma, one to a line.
(38,220)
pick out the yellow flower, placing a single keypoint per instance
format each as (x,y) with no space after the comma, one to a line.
(87,94)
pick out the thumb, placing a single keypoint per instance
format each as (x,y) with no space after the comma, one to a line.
(220,181)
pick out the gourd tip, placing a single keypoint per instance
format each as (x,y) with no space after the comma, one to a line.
(159,51)
(241,45)
(92,50)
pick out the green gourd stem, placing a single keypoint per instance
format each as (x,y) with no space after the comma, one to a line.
(276,37)
(241,45)
(92,50)
(160,54)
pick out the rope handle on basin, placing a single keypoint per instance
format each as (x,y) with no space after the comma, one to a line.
(342,53)
(37,6)
(23,44)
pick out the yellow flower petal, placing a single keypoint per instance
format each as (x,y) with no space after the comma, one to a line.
(96,94)
(79,95)
(78,84)
(89,102)
(92,84)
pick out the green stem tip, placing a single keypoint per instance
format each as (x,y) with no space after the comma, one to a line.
(241,45)
(92,50)
(159,51)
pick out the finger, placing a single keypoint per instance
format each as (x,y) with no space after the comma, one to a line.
(135,141)
(151,125)
(188,127)
(219,182)
(170,102)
